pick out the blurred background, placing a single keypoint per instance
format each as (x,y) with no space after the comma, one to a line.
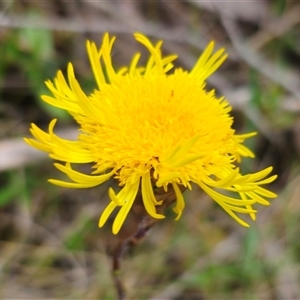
(50,245)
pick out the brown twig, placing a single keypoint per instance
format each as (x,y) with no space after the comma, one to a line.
(136,226)
(116,268)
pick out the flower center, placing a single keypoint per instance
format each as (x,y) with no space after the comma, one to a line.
(144,118)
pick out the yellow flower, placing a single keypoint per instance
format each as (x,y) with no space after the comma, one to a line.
(148,127)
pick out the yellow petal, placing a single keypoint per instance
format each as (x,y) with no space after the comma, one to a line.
(149,198)
(220,198)
(227,181)
(73,185)
(81,178)
(134,63)
(122,214)
(106,52)
(265,193)
(208,63)
(94,57)
(166,178)
(38,145)
(180,201)
(114,197)
(106,213)
(154,51)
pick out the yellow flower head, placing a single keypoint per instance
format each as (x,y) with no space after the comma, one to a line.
(147,128)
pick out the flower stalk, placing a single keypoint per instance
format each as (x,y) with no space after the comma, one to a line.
(136,226)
